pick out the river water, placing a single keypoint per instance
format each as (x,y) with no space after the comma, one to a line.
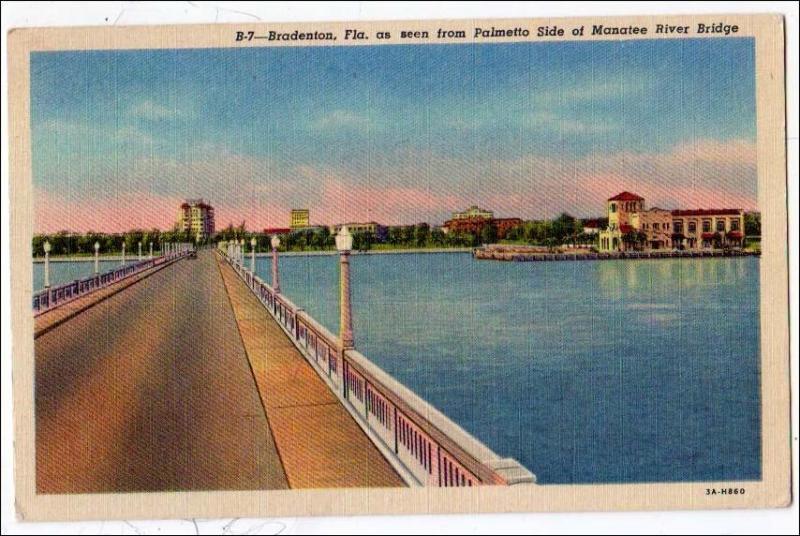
(63,272)
(593,371)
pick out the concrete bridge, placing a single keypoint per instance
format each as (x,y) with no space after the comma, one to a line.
(193,374)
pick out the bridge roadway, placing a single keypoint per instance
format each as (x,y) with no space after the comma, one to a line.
(150,389)
(320,444)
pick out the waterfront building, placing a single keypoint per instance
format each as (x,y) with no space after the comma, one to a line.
(655,228)
(591,227)
(375,229)
(632,227)
(299,218)
(708,228)
(473,212)
(475,225)
(277,231)
(196,217)
(503,225)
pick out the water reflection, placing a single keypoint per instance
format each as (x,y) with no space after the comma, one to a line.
(600,371)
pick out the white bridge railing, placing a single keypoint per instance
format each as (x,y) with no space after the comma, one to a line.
(50,298)
(422,444)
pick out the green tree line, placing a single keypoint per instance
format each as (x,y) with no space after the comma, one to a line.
(66,243)
(564,229)
(560,230)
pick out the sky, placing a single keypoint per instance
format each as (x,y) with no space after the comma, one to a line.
(397,134)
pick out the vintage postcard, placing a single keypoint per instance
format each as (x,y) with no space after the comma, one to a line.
(399,267)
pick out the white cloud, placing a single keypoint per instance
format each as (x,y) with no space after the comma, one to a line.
(341,119)
(153,111)
(563,123)
(407,186)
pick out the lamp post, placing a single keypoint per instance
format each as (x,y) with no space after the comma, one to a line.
(46,247)
(123,254)
(276,282)
(151,250)
(96,258)
(344,243)
(253,243)
(241,252)
(140,251)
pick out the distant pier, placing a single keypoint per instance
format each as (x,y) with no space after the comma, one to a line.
(522,254)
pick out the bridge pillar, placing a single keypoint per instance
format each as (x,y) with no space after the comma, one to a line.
(344,243)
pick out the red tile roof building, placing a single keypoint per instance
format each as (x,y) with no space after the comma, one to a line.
(475,225)
(631,226)
(626,196)
(277,230)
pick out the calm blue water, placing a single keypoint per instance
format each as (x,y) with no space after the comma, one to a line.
(64,272)
(609,371)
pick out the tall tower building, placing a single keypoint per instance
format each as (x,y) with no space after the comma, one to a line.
(197,217)
(300,218)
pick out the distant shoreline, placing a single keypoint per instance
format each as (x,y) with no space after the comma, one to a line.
(135,258)
(368,252)
(90,258)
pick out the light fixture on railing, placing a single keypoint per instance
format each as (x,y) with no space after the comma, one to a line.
(276,284)
(46,247)
(253,243)
(344,240)
(344,243)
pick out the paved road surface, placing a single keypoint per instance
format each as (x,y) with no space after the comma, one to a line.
(151,390)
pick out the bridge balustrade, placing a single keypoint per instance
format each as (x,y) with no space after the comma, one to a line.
(425,446)
(50,298)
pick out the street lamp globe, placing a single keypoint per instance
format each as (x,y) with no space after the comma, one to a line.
(253,242)
(46,246)
(275,242)
(344,240)
(97,246)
